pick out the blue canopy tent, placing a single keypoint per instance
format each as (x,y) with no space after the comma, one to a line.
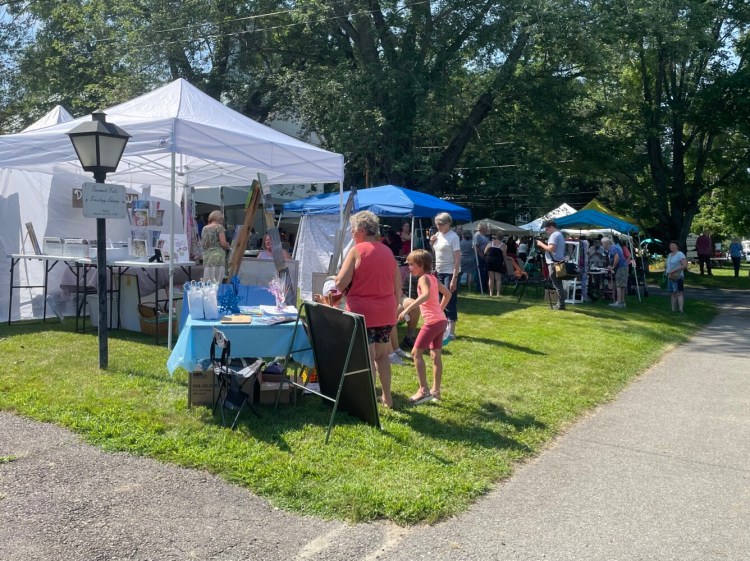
(321,219)
(590,219)
(388,200)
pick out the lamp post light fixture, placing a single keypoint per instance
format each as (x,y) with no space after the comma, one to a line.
(99,146)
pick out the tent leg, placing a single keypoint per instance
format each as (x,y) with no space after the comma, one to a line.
(171,254)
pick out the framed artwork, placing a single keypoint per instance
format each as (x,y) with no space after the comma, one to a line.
(139,248)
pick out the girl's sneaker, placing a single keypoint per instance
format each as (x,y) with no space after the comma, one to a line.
(395,359)
(402,353)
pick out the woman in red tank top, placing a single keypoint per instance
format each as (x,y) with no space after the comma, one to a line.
(371,277)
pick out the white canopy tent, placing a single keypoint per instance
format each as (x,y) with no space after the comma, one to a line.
(536,225)
(180,137)
(58,114)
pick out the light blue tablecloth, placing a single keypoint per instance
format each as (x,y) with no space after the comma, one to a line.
(253,340)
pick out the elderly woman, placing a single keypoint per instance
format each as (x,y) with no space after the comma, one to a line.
(371,276)
(215,246)
(447,248)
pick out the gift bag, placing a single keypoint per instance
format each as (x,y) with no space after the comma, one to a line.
(663,282)
(194,292)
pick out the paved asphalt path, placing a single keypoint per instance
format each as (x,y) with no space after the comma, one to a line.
(662,473)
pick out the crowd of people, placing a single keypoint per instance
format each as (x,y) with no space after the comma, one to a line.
(377,273)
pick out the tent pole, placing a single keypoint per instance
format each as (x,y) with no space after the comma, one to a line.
(635,271)
(411,246)
(476,258)
(341,205)
(171,256)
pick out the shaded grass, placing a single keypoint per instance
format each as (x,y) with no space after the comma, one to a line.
(516,377)
(722,278)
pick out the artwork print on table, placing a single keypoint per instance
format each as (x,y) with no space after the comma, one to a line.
(278,289)
(229,301)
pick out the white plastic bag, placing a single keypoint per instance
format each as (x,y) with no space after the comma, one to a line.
(210,302)
(447,334)
(195,299)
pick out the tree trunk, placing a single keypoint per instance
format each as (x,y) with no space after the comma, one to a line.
(482,107)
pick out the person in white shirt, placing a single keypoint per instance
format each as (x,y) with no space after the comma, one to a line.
(447,248)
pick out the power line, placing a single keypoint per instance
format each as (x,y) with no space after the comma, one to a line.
(247,31)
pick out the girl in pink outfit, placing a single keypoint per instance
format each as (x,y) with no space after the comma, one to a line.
(432,308)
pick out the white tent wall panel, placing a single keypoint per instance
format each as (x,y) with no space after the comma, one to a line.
(314,247)
(46,200)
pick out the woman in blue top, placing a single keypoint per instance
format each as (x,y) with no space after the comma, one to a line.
(735,254)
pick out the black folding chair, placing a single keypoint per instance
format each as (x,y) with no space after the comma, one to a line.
(235,386)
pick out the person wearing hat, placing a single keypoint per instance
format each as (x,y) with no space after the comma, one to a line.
(554,252)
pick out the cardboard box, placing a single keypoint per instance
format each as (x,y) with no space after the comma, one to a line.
(202,388)
(268,391)
(270,378)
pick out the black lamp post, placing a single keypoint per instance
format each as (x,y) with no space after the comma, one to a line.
(99,146)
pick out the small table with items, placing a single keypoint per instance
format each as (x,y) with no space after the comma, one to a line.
(255,339)
(599,284)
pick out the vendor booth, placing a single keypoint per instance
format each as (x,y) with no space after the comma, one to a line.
(181,139)
(320,221)
(596,217)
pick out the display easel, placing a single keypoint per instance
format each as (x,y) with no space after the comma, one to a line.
(338,244)
(339,343)
(235,261)
(272,231)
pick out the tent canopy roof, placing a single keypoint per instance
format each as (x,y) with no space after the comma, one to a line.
(496,227)
(536,225)
(212,144)
(58,114)
(595,204)
(388,200)
(590,219)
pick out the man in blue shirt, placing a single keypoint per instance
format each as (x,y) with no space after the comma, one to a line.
(619,267)
(554,252)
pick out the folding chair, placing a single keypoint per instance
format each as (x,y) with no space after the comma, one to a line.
(235,387)
(528,278)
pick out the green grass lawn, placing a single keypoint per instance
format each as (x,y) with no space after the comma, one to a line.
(722,278)
(518,375)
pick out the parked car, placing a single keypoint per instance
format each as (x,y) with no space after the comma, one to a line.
(746,249)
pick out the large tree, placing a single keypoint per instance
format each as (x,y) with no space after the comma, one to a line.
(406,89)
(670,126)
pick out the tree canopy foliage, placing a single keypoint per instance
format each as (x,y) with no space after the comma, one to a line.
(509,107)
